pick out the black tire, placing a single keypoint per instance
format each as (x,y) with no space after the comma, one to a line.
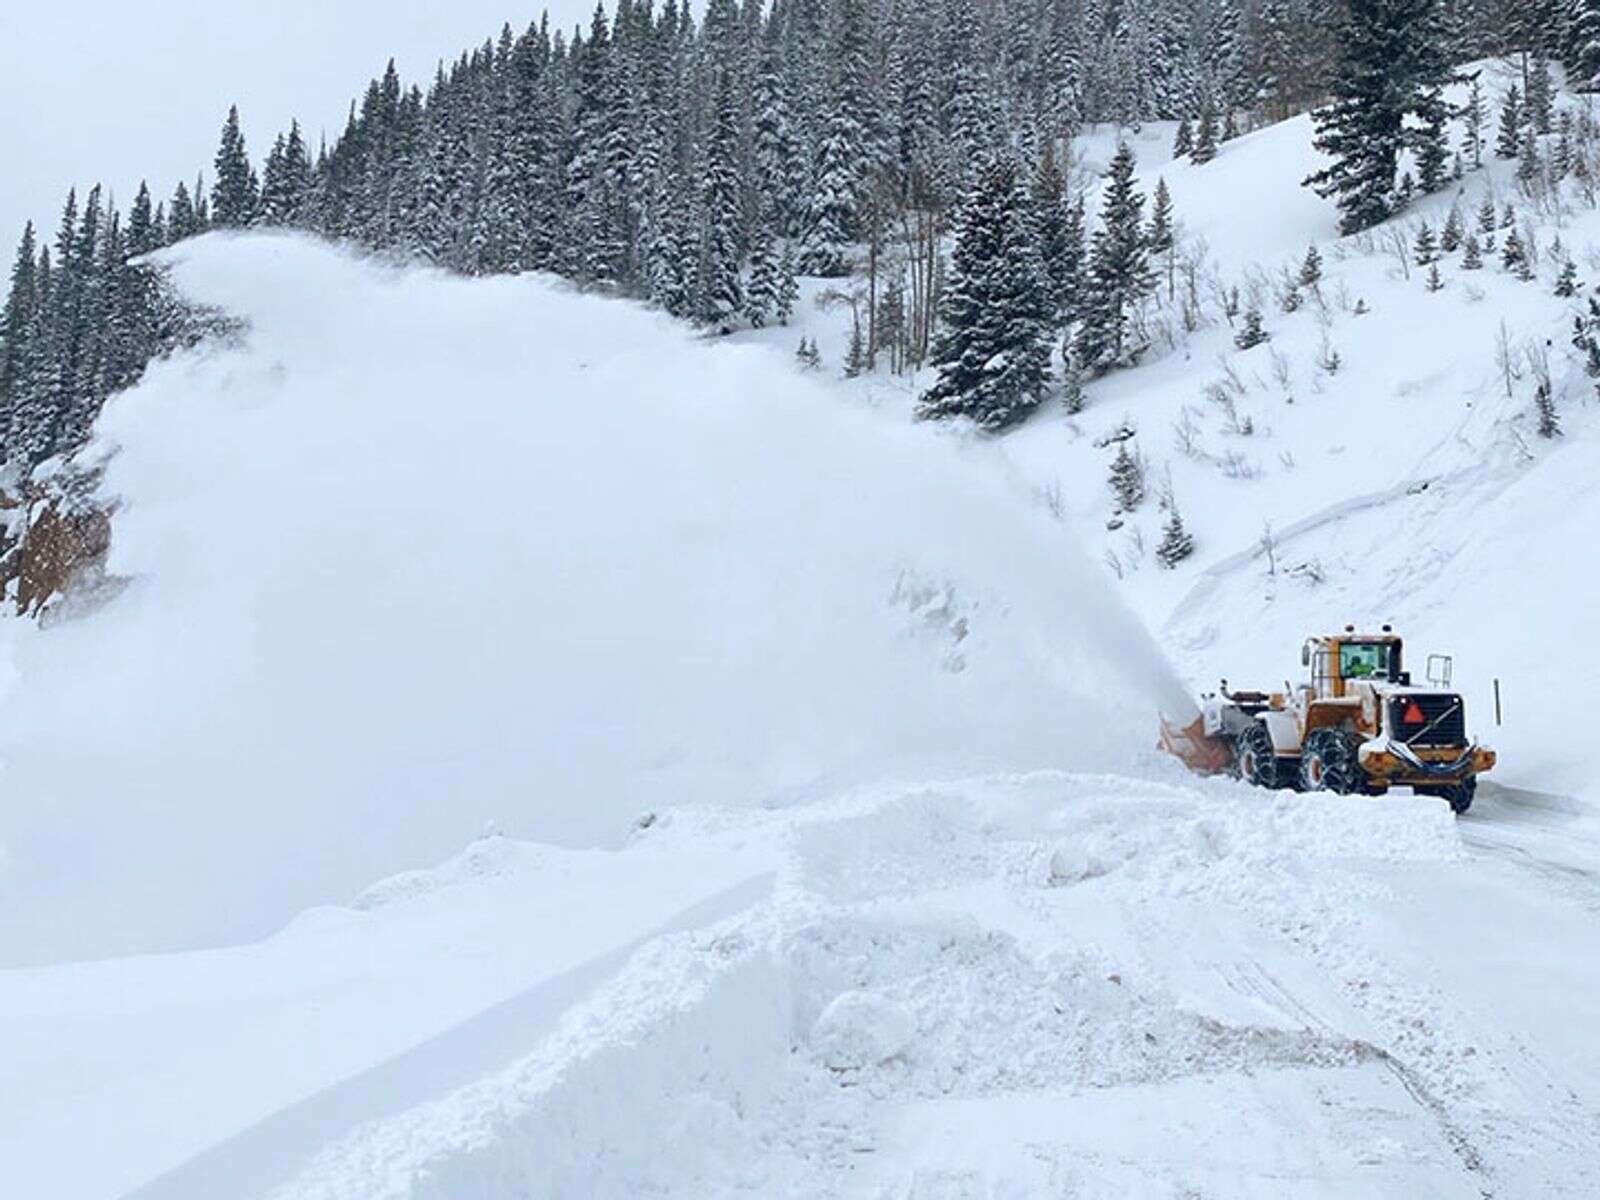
(1328,763)
(1459,794)
(1255,760)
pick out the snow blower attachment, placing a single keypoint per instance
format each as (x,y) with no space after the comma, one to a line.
(1357,726)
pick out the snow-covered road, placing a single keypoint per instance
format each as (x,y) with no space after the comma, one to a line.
(1006,986)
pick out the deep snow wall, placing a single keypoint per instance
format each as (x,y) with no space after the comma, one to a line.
(422,553)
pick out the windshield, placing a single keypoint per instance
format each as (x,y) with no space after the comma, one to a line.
(1363,660)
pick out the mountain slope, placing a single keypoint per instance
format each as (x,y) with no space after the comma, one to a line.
(872,885)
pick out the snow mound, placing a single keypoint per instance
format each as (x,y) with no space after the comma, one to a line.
(859,1029)
(425,553)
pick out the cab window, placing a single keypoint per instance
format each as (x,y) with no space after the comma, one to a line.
(1363,660)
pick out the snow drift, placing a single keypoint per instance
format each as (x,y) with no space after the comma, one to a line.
(424,553)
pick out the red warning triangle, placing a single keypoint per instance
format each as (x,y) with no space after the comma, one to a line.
(1413,714)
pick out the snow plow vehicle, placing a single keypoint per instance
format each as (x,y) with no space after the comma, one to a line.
(1358,726)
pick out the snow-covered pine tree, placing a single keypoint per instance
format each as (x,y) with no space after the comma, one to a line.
(992,350)
(1471,254)
(1508,144)
(1544,406)
(718,286)
(1205,138)
(788,286)
(779,161)
(1561,157)
(1311,268)
(1252,333)
(181,222)
(1529,162)
(1488,222)
(1390,67)
(833,216)
(1072,388)
(1583,42)
(1428,139)
(763,285)
(855,359)
(16,323)
(233,193)
(1433,281)
(1425,246)
(1177,543)
(1473,120)
(141,233)
(1060,244)
(1161,235)
(1450,236)
(1567,283)
(1513,255)
(1540,100)
(1127,479)
(1183,139)
(1118,274)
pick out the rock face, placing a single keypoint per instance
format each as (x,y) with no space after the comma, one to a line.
(53,540)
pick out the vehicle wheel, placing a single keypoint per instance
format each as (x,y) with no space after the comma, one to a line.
(1460,794)
(1328,763)
(1256,761)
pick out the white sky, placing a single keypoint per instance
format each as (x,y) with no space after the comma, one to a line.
(110,92)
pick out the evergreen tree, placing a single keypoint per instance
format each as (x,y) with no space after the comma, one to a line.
(1311,268)
(762,291)
(1545,407)
(1450,237)
(1528,163)
(1567,284)
(721,192)
(1205,142)
(1424,247)
(16,323)
(286,180)
(1429,141)
(1473,120)
(1471,254)
(1127,479)
(1583,37)
(1183,140)
(233,194)
(1177,543)
(1540,103)
(1390,66)
(1509,142)
(1060,234)
(788,287)
(1072,389)
(1118,270)
(141,236)
(855,360)
(993,346)
(1253,333)
(181,219)
(1160,238)
(1434,281)
(1488,222)
(1513,256)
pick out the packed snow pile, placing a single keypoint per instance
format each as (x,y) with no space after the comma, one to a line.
(422,553)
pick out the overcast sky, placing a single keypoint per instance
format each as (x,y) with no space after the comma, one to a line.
(111,92)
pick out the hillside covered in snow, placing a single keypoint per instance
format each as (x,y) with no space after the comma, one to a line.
(524,744)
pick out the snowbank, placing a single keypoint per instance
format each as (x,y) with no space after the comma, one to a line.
(426,553)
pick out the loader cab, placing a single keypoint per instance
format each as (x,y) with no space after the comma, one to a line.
(1350,658)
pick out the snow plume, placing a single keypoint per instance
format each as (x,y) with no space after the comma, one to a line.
(422,553)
